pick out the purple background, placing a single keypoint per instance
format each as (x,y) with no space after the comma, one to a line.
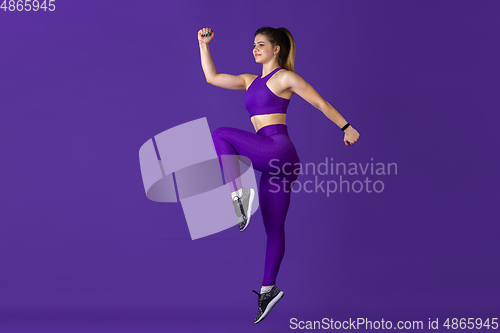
(82,88)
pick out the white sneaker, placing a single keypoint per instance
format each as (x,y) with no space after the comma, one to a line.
(243,207)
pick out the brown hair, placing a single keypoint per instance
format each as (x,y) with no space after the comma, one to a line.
(283,38)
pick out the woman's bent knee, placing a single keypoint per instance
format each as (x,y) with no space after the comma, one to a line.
(219,132)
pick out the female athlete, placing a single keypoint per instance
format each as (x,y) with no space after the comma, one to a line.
(270,148)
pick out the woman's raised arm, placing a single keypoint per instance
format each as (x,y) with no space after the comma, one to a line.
(227,81)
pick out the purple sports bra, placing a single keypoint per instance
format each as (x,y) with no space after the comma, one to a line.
(259,99)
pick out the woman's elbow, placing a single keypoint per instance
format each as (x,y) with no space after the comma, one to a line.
(320,104)
(211,80)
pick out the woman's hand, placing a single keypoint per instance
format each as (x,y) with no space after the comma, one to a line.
(205,35)
(350,136)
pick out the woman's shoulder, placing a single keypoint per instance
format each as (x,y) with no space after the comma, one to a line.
(286,76)
(286,72)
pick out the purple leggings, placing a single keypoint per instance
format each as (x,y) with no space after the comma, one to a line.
(272,152)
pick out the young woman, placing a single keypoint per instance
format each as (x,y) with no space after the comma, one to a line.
(270,148)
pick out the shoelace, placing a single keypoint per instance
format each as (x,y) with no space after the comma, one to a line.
(256,292)
(241,207)
(237,206)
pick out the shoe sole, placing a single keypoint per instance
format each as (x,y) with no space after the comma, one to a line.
(249,211)
(270,306)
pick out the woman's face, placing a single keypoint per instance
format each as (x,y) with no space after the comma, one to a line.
(262,49)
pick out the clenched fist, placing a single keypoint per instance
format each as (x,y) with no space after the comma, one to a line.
(205,35)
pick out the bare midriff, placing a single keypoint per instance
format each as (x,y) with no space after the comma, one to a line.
(262,120)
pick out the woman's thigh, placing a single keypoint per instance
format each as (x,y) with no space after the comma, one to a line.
(268,154)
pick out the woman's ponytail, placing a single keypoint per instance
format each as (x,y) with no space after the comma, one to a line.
(288,59)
